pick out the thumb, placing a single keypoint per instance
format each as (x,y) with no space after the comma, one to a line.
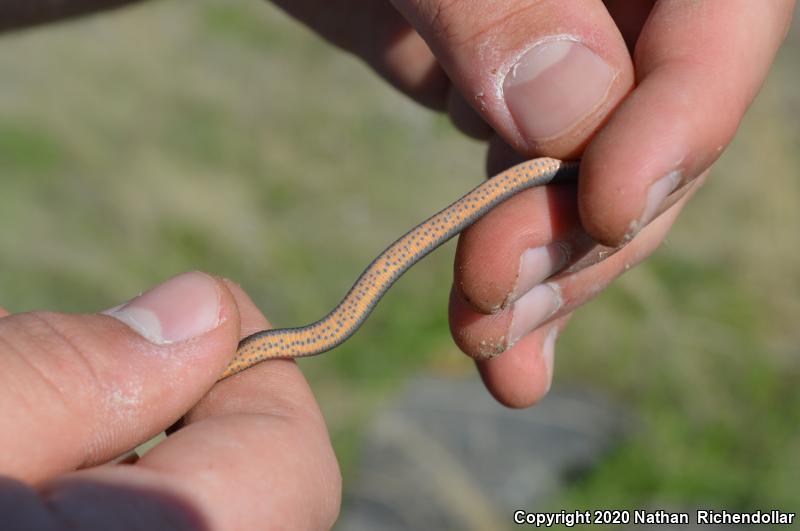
(78,390)
(543,74)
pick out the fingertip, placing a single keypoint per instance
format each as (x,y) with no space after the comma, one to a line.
(230,313)
(520,376)
(251,318)
(273,387)
(184,307)
(492,268)
(653,144)
(561,90)
(523,375)
(479,336)
(698,71)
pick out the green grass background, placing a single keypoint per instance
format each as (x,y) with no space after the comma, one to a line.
(221,136)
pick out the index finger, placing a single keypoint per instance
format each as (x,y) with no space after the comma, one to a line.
(699,65)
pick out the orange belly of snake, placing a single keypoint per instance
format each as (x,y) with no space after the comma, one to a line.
(342,322)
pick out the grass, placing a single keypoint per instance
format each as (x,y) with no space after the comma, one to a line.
(226,138)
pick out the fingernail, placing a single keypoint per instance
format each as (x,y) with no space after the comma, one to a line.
(532,309)
(554,85)
(183,307)
(548,354)
(537,264)
(656,195)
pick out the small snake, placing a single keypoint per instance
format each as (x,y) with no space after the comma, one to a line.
(336,327)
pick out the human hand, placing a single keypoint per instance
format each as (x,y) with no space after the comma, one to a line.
(78,390)
(647,94)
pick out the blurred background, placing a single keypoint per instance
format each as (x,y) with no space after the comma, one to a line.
(223,136)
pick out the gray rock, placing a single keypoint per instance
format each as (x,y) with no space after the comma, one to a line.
(445,455)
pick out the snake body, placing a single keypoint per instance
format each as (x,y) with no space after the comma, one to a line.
(341,323)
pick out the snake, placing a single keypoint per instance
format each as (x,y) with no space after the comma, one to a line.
(343,321)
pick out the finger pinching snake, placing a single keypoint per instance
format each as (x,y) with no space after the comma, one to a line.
(342,322)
